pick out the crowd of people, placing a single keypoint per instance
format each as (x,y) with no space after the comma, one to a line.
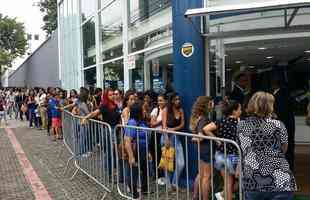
(262,138)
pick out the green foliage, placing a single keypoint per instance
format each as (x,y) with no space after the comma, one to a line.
(49,8)
(13,42)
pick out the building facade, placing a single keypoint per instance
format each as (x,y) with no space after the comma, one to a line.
(115,43)
(197,46)
(40,68)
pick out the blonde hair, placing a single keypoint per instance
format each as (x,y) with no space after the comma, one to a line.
(261,105)
(199,109)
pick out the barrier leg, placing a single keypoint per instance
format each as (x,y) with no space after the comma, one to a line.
(104,196)
(74,174)
(67,165)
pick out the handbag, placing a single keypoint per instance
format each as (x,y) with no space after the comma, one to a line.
(167,159)
(24,108)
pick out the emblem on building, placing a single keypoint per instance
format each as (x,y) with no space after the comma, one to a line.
(187,50)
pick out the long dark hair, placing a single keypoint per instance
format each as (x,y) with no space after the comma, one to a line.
(136,112)
(127,96)
(84,94)
(229,107)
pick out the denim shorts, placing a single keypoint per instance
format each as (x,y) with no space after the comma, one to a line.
(231,162)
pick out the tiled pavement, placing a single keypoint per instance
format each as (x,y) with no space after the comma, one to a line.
(43,155)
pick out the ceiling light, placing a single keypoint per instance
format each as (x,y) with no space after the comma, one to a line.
(269,57)
(262,48)
(252,67)
(307,51)
(238,62)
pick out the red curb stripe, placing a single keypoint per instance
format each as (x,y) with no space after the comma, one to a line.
(32,178)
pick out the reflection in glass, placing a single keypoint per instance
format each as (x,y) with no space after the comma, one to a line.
(110,27)
(90,77)
(152,38)
(88,8)
(143,9)
(89,51)
(114,75)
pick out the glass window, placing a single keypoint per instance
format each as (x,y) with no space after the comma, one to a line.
(152,70)
(110,27)
(157,29)
(141,10)
(90,77)
(89,50)
(114,75)
(88,8)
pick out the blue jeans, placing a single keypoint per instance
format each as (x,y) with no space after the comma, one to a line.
(249,195)
(32,118)
(82,139)
(179,160)
(132,173)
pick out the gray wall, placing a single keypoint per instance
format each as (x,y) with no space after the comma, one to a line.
(41,69)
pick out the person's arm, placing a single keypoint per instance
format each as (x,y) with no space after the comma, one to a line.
(154,116)
(209,128)
(125,116)
(128,148)
(181,126)
(67,106)
(164,118)
(92,114)
(75,111)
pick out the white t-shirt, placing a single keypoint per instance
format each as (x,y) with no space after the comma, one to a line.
(158,116)
(42,99)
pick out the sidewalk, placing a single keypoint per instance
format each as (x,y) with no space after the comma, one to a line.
(42,153)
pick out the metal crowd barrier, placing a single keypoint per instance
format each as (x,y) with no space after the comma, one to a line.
(91,147)
(141,177)
(102,154)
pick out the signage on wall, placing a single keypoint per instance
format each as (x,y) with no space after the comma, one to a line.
(187,50)
(132,62)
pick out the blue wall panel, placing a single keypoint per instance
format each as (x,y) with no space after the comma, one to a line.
(188,72)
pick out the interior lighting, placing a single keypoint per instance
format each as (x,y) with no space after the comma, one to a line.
(269,57)
(238,62)
(262,48)
(307,51)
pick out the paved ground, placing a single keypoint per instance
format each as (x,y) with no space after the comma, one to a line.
(43,154)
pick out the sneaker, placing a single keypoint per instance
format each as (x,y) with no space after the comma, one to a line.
(161,181)
(219,196)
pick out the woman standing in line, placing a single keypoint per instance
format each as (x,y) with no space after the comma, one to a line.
(263,142)
(158,117)
(201,125)
(175,122)
(227,129)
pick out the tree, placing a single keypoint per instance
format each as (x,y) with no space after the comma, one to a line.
(49,8)
(13,41)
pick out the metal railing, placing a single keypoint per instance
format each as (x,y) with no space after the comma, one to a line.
(161,164)
(91,146)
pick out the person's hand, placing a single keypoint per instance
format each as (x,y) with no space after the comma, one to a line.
(237,174)
(218,143)
(131,161)
(84,121)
